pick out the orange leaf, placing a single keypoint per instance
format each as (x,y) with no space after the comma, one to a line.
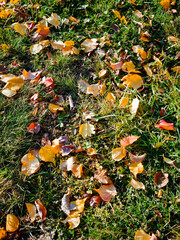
(31,210)
(123,101)
(107,192)
(141,235)
(116,13)
(176,69)
(41,209)
(136,168)
(128,140)
(162,124)
(133,80)
(42,30)
(166,4)
(3,233)
(137,159)
(34,128)
(30,163)
(110,98)
(12,223)
(47,154)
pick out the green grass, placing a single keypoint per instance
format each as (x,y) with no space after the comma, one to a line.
(131,209)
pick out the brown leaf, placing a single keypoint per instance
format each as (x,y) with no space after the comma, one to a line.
(160,179)
(95,201)
(41,209)
(31,210)
(102,177)
(12,223)
(137,159)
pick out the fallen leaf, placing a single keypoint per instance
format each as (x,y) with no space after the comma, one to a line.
(136,158)
(116,66)
(134,106)
(118,153)
(160,179)
(36,48)
(89,45)
(55,108)
(77,170)
(102,177)
(159,193)
(31,210)
(86,130)
(41,209)
(172,39)
(68,164)
(110,98)
(141,235)
(148,70)
(79,207)
(58,44)
(107,192)
(47,154)
(54,19)
(48,82)
(66,149)
(142,53)
(30,163)
(95,201)
(91,152)
(168,161)
(8,93)
(34,128)
(133,80)
(102,73)
(42,30)
(20,28)
(31,75)
(73,222)
(162,124)
(74,20)
(3,233)
(123,101)
(166,4)
(5,13)
(65,202)
(176,69)
(128,140)
(136,168)
(128,67)
(116,13)
(12,223)
(136,184)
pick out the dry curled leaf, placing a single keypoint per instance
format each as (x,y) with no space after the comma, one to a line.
(95,201)
(73,222)
(160,179)
(168,161)
(107,192)
(118,153)
(30,163)
(12,223)
(137,159)
(86,130)
(41,209)
(136,168)
(31,210)
(54,19)
(136,184)
(102,177)
(65,202)
(128,140)
(162,124)
(47,154)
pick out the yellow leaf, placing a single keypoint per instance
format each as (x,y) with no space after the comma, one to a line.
(69,43)
(93,89)
(55,108)
(77,170)
(118,153)
(128,67)
(134,106)
(86,130)
(14,1)
(136,168)
(20,28)
(123,101)
(116,13)
(141,235)
(12,223)
(110,98)
(3,233)
(136,184)
(142,53)
(4,47)
(30,164)
(14,83)
(148,70)
(166,4)
(5,13)
(47,154)
(172,39)
(176,69)
(54,19)
(123,19)
(31,210)
(133,80)
(79,207)
(73,222)
(74,20)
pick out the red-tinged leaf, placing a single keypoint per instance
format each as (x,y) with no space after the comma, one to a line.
(31,75)
(128,140)
(95,201)
(160,179)
(48,82)
(107,192)
(137,159)
(162,124)
(117,66)
(34,128)
(41,209)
